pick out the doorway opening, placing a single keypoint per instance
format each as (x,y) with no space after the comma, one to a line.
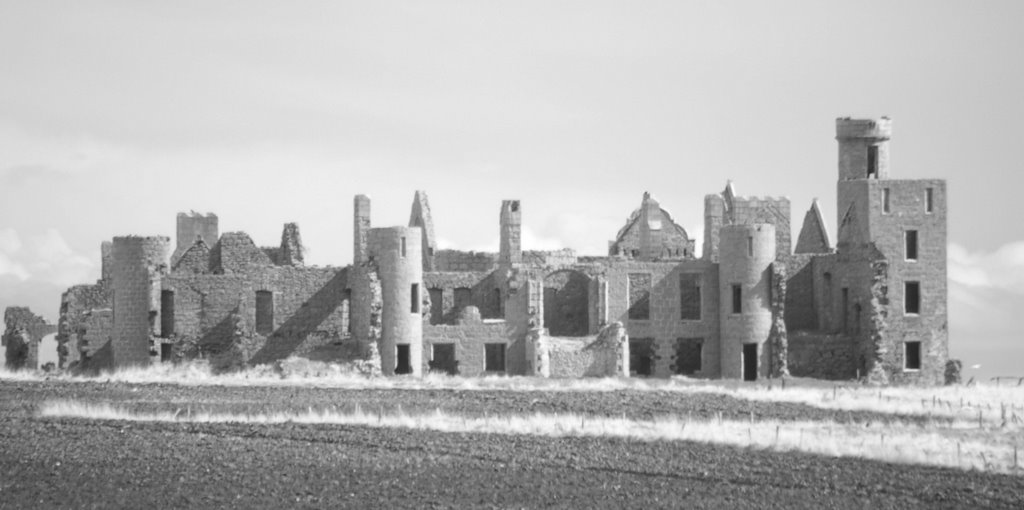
(402,365)
(749,362)
(444,359)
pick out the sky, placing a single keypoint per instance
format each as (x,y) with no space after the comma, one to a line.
(115,116)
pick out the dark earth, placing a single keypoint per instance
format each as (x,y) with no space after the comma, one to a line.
(50,463)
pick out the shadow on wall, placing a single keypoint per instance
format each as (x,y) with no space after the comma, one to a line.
(304,323)
(102,359)
(566,303)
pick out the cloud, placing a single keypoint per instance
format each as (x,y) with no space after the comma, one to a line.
(44,257)
(1001,269)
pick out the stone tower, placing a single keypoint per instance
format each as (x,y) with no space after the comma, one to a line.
(193,226)
(746,255)
(902,223)
(361,295)
(397,252)
(511,233)
(139,265)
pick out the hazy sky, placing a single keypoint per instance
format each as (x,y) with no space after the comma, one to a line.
(114,116)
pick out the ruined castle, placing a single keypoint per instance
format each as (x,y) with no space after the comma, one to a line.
(750,306)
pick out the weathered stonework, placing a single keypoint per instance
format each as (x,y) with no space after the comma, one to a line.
(872,306)
(23,330)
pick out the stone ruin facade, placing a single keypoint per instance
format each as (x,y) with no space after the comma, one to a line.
(750,306)
(22,334)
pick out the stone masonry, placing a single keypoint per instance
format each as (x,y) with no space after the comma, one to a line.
(750,305)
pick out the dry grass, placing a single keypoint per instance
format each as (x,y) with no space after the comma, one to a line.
(950,445)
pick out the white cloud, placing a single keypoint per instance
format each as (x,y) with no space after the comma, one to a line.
(1001,269)
(43,257)
(10,242)
(9,267)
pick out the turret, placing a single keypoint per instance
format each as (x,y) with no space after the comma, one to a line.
(397,252)
(139,264)
(746,254)
(863,148)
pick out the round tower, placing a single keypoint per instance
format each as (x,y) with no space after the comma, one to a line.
(138,265)
(746,253)
(398,254)
(863,148)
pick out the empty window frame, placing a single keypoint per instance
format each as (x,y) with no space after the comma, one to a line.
(689,297)
(436,305)
(166,313)
(264,312)
(463,298)
(641,357)
(415,292)
(443,358)
(929,200)
(912,356)
(912,298)
(639,296)
(689,352)
(846,309)
(910,236)
(494,357)
(737,298)
(403,247)
(885,200)
(872,161)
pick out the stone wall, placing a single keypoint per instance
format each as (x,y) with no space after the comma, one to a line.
(801,313)
(469,339)
(583,357)
(76,305)
(822,355)
(664,325)
(462,261)
(236,253)
(93,337)
(215,315)
(23,330)
(485,291)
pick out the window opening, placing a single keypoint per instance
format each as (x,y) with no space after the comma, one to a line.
(912,356)
(737,298)
(415,308)
(444,359)
(166,313)
(911,244)
(436,305)
(689,352)
(494,357)
(912,298)
(885,200)
(872,161)
(689,297)
(166,352)
(264,312)
(639,296)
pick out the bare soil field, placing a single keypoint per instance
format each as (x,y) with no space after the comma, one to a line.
(49,462)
